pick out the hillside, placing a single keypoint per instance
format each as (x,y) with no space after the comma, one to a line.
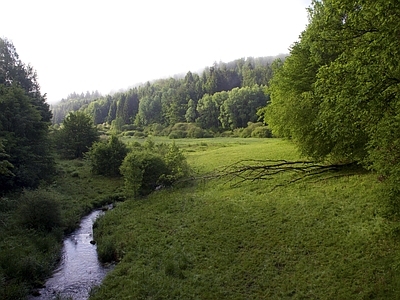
(176,99)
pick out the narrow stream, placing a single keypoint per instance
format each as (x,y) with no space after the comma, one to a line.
(79,270)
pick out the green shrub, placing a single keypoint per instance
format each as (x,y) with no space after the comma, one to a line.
(129,133)
(140,134)
(106,250)
(176,164)
(106,157)
(177,134)
(39,210)
(142,171)
(261,132)
(128,127)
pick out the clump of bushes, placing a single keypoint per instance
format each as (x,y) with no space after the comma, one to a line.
(186,130)
(39,210)
(258,130)
(153,166)
(106,157)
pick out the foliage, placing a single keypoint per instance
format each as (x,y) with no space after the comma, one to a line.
(258,130)
(40,210)
(76,135)
(241,106)
(177,165)
(337,94)
(151,166)
(171,100)
(25,149)
(142,171)
(106,157)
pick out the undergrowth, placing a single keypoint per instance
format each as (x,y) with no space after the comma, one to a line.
(33,223)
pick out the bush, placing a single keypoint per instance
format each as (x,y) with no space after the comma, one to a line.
(177,134)
(142,171)
(261,132)
(39,210)
(152,166)
(106,157)
(176,164)
(258,130)
(140,134)
(129,133)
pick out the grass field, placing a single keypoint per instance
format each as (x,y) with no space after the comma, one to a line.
(330,239)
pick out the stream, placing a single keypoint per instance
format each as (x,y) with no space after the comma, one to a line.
(79,269)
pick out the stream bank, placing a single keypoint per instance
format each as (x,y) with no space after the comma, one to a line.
(79,270)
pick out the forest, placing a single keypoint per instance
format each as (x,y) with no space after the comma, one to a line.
(225,96)
(333,103)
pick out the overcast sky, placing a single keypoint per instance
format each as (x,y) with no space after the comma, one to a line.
(87,45)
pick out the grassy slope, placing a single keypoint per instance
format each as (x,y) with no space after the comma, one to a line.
(324,240)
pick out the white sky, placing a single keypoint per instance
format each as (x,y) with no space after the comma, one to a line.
(87,45)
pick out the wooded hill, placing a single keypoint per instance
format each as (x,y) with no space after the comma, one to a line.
(224,96)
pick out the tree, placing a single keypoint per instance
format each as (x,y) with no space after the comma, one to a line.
(337,95)
(241,106)
(208,109)
(24,121)
(191,113)
(76,135)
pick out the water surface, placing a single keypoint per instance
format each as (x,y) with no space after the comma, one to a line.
(79,270)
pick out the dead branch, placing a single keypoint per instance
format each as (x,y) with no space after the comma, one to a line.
(253,170)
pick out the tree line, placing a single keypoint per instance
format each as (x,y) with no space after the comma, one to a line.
(191,98)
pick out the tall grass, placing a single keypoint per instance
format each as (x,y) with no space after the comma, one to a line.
(328,239)
(32,224)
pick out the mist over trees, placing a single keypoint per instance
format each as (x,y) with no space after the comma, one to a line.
(191,98)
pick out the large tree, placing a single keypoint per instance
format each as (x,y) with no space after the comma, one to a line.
(24,121)
(337,95)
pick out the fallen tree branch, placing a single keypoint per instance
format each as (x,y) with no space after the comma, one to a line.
(253,170)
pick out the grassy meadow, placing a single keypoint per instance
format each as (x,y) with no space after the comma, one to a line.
(316,239)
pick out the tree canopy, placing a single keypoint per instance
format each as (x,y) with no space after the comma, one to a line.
(76,135)
(25,151)
(337,94)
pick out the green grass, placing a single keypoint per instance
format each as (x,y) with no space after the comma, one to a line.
(312,240)
(29,255)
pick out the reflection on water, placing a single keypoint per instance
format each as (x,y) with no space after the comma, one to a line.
(79,270)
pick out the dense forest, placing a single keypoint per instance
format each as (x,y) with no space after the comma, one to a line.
(223,97)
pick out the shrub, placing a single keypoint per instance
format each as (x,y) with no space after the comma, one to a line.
(140,134)
(129,133)
(261,132)
(176,164)
(177,134)
(106,157)
(142,171)
(39,210)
